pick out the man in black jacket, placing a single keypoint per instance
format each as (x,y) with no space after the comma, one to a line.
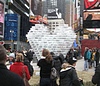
(8,78)
(68,74)
(96,76)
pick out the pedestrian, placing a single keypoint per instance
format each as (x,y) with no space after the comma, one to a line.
(45,65)
(57,65)
(93,62)
(97,57)
(8,78)
(45,52)
(29,55)
(12,57)
(87,57)
(96,76)
(61,58)
(18,66)
(56,61)
(68,75)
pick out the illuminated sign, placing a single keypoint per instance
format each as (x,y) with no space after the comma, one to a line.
(91,19)
(11,27)
(91,4)
(92,15)
(54,13)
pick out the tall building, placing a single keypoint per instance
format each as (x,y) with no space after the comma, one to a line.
(52,4)
(17,16)
(61,7)
(36,6)
(68,8)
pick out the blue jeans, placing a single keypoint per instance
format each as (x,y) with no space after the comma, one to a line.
(45,82)
(86,65)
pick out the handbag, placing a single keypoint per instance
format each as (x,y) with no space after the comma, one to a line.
(24,78)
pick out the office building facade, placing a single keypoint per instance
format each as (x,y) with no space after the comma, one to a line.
(20,8)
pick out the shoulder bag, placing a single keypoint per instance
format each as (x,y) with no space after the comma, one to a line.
(54,73)
(24,78)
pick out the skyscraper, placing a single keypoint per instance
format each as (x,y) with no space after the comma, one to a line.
(52,4)
(36,7)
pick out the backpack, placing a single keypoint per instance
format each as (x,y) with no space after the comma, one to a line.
(54,73)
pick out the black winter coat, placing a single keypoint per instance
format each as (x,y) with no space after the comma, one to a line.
(68,77)
(96,76)
(8,78)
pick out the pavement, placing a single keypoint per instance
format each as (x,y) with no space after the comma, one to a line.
(79,66)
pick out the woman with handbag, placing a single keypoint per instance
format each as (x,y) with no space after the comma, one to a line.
(45,65)
(19,68)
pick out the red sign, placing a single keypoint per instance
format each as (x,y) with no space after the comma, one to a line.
(91,4)
(38,19)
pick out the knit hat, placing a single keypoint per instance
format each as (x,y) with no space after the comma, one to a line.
(2,53)
(72,60)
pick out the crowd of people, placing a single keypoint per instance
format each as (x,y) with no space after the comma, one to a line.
(65,66)
(91,58)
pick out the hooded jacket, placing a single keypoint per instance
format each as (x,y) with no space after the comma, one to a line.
(68,76)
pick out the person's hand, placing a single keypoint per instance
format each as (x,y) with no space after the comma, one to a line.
(80,79)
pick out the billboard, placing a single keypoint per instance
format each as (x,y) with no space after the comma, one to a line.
(37,19)
(91,15)
(54,14)
(11,27)
(91,19)
(91,4)
(1,18)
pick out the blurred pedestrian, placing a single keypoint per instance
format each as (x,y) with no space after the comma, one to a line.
(18,66)
(87,57)
(12,57)
(45,65)
(56,62)
(29,55)
(93,62)
(8,78)
(96,76)
(61,58)
(57,65)
(68,75)
(45,52)
(97,57)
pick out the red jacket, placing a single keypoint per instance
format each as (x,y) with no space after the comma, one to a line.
(18,67)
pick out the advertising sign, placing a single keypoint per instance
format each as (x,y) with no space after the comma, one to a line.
(54,13)
(11,27)
(91,19)
(1,18)
(91,4)
(92,15)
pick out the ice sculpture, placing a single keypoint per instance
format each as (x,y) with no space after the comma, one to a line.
(60,41)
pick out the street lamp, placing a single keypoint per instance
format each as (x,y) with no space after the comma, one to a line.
(12,43)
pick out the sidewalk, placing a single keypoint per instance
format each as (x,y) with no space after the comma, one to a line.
(80,66)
